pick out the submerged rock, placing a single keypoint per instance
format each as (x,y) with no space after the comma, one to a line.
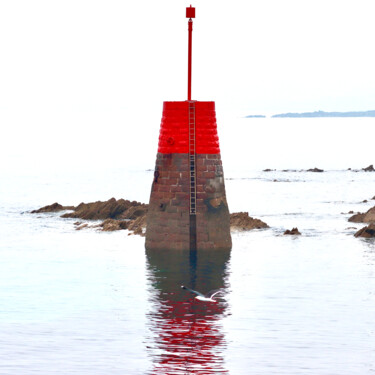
(82,226)
(366,232)
(293,232)
(367,217)
(242,221)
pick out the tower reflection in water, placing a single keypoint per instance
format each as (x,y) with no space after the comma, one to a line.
(185,334)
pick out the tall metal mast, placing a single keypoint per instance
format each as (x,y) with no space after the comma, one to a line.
(190,13)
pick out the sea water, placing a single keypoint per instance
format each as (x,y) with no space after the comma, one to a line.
(89,302)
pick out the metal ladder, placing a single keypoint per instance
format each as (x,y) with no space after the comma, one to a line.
(192,166)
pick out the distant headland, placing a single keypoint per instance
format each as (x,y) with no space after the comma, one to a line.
(319,114)
(328,114)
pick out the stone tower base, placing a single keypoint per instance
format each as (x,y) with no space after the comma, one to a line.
(168,219)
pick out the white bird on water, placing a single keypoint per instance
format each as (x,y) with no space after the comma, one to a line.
(209,297)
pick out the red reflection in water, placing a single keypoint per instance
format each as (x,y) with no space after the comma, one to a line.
(187,337)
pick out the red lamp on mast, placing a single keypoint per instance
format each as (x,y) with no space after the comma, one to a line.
(190,13)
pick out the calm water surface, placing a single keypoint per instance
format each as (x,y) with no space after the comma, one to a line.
(86,302)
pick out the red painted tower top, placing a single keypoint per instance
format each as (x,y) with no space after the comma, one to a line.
(190,13)
(174,128)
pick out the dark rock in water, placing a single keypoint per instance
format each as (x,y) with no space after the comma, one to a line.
(54,207)
(293,232)
(242,221)
(315,170)
(373,197)
(111,209)
(370,168)
(367,217)
(366,232)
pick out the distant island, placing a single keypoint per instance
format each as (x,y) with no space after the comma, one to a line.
(328,114)
(255,116)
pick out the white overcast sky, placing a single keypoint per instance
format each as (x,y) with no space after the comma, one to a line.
(74,68)
(249,56)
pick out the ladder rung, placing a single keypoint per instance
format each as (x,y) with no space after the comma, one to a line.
(192,158)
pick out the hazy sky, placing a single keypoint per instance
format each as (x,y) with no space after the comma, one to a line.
(252,56)
(67,65)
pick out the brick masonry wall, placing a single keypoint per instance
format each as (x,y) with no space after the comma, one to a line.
(168,215)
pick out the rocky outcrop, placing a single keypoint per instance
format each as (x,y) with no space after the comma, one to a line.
(293,232)
(367,217)
(242,221)
(366,232)
(111,209)
(315,170)
(370,168)
(116,214)
(54,207)
(131,215)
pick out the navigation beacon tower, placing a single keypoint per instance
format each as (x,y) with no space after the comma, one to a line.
(188,208)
